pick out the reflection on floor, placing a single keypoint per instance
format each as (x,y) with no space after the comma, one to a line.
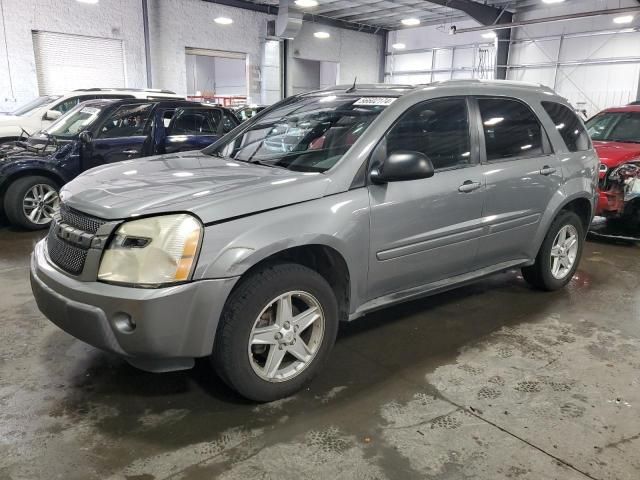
(490,381)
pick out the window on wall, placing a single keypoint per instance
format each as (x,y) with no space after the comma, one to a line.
(569,126)
(437,128)
(511,129)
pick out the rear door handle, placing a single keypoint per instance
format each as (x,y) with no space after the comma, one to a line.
(547,170)
(469,186)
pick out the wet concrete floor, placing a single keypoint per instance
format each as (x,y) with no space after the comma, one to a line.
(491,381)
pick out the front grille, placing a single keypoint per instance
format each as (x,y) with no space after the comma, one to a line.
(79,220)
(68,257)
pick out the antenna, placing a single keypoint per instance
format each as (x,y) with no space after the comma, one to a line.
(353,87)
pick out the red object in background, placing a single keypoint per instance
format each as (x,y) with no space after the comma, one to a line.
(614,153)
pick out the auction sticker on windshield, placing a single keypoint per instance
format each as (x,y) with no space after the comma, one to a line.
(376,101)
(90,110)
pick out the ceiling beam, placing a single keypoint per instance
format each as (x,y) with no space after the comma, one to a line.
(483,14)
(273,10)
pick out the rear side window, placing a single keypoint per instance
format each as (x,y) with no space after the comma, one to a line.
(569,126)
(192,121)
(511,129)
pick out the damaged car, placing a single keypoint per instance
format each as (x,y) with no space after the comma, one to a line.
(616,137)
(98,132)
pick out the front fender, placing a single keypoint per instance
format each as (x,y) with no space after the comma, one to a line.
(62,165)
(340,222)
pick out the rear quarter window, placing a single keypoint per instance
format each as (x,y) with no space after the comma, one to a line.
(569,126)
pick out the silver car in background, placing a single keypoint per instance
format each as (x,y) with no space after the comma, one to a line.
(252,254)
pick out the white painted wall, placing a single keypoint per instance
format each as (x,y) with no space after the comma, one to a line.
(358,54)
(177,24)
(432,54)
(119,19)
(592,87)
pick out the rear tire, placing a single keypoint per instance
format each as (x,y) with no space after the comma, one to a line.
(255,336)
(22,195)
(545,273)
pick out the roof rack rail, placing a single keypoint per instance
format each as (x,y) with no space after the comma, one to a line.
(101,89)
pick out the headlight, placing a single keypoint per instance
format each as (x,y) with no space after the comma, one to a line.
(152,251)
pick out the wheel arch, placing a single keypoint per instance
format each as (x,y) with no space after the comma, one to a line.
(324,259)
(30,172)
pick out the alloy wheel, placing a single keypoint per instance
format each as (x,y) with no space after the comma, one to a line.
(564,252)
(39,203)
(286,336)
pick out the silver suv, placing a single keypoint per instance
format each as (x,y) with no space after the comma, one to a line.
(320,209)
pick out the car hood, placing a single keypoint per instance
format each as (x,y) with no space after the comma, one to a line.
(210,187)
(613,154)
(10,120)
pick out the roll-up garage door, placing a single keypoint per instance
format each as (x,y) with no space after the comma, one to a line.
(67,62)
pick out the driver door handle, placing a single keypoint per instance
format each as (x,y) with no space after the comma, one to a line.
(130,152)
(469,186)
(547,170)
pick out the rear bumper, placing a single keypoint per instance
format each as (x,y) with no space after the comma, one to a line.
(173,325)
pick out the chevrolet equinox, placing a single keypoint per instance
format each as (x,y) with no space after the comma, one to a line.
(322,208)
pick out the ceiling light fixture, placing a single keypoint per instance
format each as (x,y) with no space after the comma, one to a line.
(223,21)
(398,46)
(411,22)
(321,35)
(489,35)
(306,3)
(623,20)
(552,1)
(92,2)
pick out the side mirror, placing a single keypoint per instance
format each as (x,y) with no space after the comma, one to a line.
(403,165)
(85,137)
(52,115)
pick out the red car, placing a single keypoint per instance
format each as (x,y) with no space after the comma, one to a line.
(616,137)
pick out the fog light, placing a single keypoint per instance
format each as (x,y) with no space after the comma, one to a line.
(123,322)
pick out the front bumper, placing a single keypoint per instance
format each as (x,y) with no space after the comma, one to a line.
(610,203)
(173,325)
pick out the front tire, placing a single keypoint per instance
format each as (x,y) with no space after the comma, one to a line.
(559,255)
(30,202)
(276,332)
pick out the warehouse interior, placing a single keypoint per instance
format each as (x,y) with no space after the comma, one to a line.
(493,379)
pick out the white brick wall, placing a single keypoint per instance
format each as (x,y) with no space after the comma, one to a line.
(120,19)
(174,25)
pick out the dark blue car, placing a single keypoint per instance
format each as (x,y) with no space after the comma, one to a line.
(94,133)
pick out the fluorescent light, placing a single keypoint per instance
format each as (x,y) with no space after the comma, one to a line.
(624,19)
(306,3)
(411,22)
(321,35)
(93,2)
(490,34)
(223,21)
(398,46)
(552,1)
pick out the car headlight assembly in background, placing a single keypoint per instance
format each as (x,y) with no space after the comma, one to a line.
(152,252)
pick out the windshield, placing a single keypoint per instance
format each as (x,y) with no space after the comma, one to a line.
(615,127)
(75,121)
(31,105)
(308,134)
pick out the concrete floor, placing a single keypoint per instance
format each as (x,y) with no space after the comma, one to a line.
(491,381)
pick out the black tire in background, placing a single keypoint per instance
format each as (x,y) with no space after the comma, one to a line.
(230,355)
(14,198)
(539,275)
